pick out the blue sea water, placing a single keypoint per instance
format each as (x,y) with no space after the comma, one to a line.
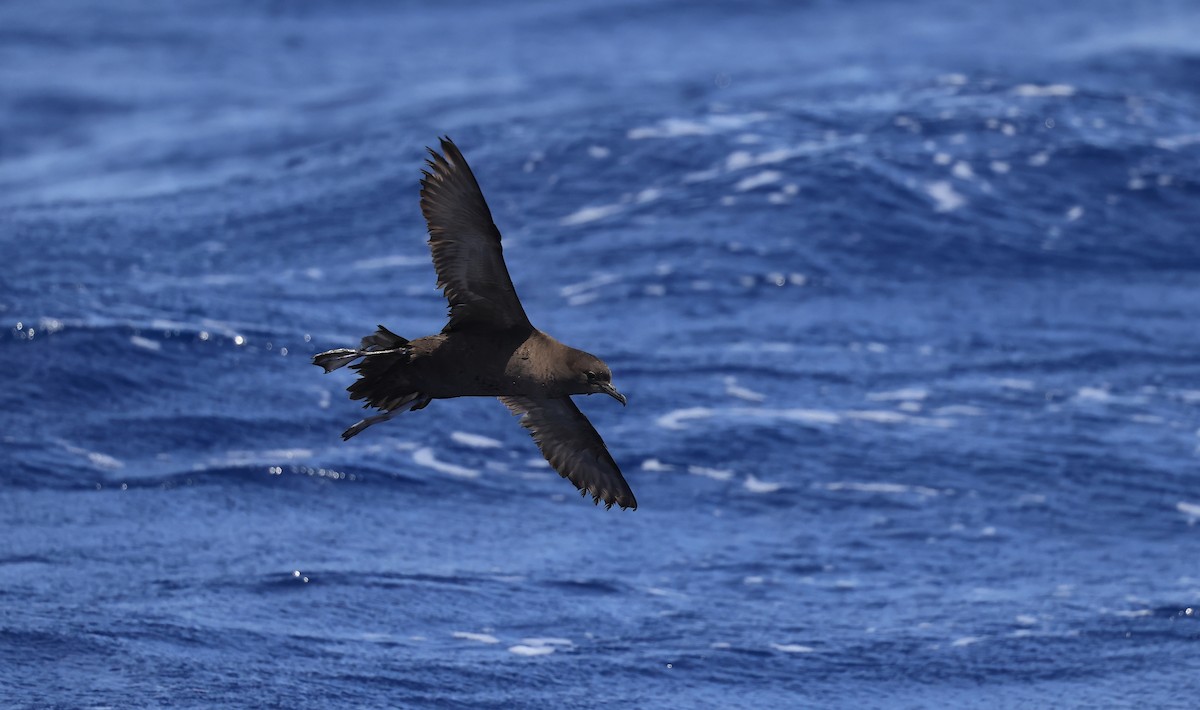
(905,298)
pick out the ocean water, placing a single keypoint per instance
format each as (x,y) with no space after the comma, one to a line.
(905,298)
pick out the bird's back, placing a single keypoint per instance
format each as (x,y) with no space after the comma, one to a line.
(468,363)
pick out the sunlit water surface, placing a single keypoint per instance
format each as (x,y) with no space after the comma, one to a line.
(905,298)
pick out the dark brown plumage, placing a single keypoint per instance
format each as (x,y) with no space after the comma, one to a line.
(488,348)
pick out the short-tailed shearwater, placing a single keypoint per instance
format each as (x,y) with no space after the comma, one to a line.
(488,348)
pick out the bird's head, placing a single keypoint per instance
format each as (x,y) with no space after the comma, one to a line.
(589,375)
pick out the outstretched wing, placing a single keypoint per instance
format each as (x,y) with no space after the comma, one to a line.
(466,246)
(572,446)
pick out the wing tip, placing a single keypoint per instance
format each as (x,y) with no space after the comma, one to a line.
(629,503)
(623,500)
(448,150)
(442,167)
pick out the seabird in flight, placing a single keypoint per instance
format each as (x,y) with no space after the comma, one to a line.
(488,348)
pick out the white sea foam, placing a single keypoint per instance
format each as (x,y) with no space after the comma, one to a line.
(962,170)
(160,324)
(883,416)
(145,343)
(548,641)
(582,298)
(792,648)
(648,195)
(966,641)
(881,487)
(479,638)
(656,466)
(1177,142)
(523,650)
(754,485)
(679,418)
(733,389)
(1131,613)
(1192,510)
(390,262)
(238,457)
(702,175)
(808,416)
(766,177)
(900,394)
(593,283)
(590,214)
(676,418)
(718,474)
(1034,90)
(742,159)
(707,125)
(475,441)
(424,457)
(945,197)
(879,416)
(105,461)
(1093,394)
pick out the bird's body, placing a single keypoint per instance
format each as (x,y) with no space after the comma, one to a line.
(488,348)
(482,364)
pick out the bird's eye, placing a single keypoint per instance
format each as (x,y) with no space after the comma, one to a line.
(591,376)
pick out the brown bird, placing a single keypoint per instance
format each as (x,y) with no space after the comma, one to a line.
(488,348)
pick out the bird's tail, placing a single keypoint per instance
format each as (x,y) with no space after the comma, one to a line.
(383,380)
(381,342)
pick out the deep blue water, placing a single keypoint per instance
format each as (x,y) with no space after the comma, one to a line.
(905,298)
